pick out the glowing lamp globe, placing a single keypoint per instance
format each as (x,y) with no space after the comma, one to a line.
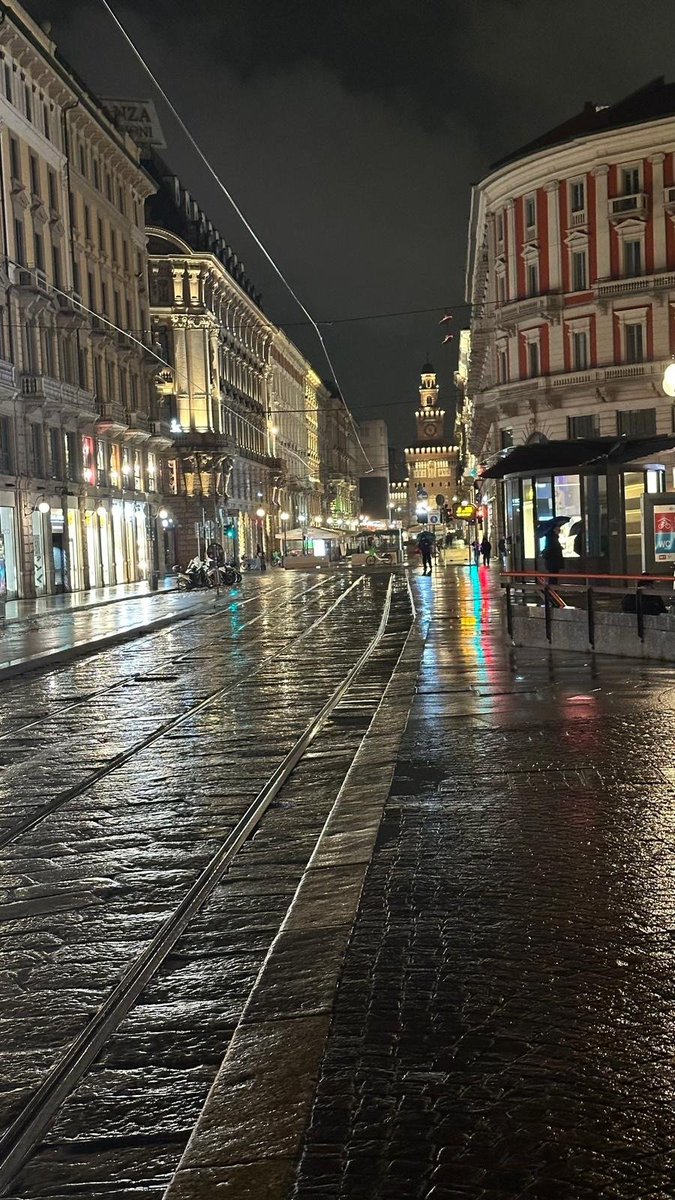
(260,513)
(43,506)
(668,382)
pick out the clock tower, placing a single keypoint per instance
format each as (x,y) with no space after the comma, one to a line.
(432,463)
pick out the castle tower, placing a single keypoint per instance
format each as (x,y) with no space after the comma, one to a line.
(432,463)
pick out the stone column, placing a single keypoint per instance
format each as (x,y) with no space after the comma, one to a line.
(658,213)
(602,233)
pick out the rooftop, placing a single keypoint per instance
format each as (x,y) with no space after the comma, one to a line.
(654,100)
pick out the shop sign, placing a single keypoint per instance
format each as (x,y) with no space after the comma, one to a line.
(664,532)
(465,512)
(138,118)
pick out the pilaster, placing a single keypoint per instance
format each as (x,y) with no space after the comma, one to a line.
(552,190)
(658,213)
(602,233)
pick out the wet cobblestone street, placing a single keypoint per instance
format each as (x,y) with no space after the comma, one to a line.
(102,832)
(505,1024)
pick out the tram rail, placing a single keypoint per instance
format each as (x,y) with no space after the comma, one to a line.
(22,1137)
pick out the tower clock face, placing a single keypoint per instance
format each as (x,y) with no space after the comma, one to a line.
(430,429)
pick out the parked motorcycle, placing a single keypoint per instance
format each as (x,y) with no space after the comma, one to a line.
(201,573)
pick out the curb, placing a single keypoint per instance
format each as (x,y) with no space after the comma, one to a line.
(248,1137)
(76,608)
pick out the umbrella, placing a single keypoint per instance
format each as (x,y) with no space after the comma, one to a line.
(545,527)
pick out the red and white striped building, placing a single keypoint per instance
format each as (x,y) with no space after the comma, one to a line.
(571,276)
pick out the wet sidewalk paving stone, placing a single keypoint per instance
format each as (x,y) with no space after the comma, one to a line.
(505,1023)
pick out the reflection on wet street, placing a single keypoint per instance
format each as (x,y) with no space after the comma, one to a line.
(505,1025)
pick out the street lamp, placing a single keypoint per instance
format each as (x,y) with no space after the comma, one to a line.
(283,517)
(260,514)
(44,507)
(668,382)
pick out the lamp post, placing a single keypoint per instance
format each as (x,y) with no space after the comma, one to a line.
(101,513)
(283,517)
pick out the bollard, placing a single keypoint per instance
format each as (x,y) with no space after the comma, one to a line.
(154,581)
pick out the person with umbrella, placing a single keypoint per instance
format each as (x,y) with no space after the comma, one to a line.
(552,553)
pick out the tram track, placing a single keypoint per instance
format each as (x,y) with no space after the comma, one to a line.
(159,672)
(353,697)
(19,828)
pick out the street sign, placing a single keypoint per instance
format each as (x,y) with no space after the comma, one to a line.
(434,518)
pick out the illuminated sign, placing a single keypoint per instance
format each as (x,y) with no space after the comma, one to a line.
(465,512)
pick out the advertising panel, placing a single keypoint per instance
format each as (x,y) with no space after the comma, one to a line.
(664,532)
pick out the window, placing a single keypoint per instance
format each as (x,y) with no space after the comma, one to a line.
(583,427)
(19,241)
(533,359)
(104,299)
(83,160)
(505,438)
(101,236)
(530,212)
(28,96)
(579,350)
(34,175)
(55,454)
(500,227)
(97,175)
(579,277)
(56,266)
(9,83)
(38,451)
(6,456)
(53,191)
(125,255)
(113,245)
(578,196)
(92,290)
(87,222)
(502,366)
(14,158)
(634,342)
(532,278)
(501,289)
(630,177)
(102,463)
(632,257)
(39,251)
(70,457)
(118,308)
(46,123)
(640,422)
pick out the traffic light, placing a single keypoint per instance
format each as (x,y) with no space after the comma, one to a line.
(229,531)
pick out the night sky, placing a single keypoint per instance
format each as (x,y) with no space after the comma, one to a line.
(350,134)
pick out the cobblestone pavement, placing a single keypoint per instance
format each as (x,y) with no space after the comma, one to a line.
(505,1023)
(101,836)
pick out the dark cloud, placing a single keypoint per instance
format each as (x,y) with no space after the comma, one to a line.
(350,134)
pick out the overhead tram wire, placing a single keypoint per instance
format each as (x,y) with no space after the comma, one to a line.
(214,174)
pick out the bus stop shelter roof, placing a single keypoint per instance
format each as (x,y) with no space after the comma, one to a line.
(573,455)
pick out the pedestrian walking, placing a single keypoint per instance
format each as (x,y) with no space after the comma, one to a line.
(501,551)
(486,550)
(260,555)
(426,546)
(553,555)
(475,546)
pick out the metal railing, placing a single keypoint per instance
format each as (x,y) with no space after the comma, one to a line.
(549,585)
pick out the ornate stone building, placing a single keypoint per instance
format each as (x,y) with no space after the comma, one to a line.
(80,434)
(431,462)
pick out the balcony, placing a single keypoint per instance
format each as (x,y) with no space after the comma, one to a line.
(547,306)
(161,437)
(633,285)
(623,207)
(60,396)
(7,375)
(137,429)
(578,219)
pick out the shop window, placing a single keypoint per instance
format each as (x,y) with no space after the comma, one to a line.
(585,426)
(596,533)
(639,422)
(102,463)
(88,460)
(152,473)
(138,471)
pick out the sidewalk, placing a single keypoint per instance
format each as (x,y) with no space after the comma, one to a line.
(21,610)
(503,1026)
(55,629)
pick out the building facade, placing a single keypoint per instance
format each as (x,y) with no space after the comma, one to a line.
(431,462)
(339,458)
(296,394)
(374,470)
(571,276)
(80,472)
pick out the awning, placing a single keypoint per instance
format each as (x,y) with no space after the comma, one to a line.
(583,452)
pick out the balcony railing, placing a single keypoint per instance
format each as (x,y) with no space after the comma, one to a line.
(578,218)
(634,205)
(636,283)
(43,387)
(532,306)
